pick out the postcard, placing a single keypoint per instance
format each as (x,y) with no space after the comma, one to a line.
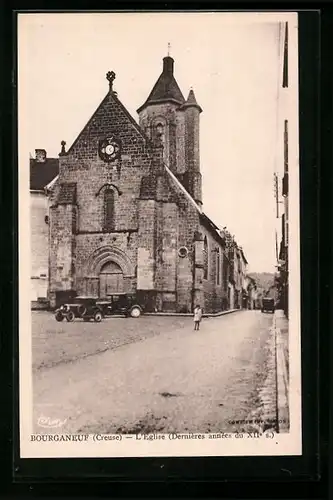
(159,261)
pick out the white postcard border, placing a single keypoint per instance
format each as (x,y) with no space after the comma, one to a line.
(278,444)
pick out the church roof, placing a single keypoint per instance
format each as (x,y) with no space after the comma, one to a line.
(109,100)
(166,88)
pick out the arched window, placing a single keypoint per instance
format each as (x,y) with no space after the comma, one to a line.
(205,258)
(159,130)
(109,222)
(159,133)
(218,266)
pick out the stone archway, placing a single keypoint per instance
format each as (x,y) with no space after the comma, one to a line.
(111,279)
(107,270)
(105,254)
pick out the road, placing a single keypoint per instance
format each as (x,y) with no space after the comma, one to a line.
(148,374)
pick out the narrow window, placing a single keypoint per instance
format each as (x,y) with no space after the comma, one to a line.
(205,258)
(160,134)
(218,267)
(225,271)
(108,210)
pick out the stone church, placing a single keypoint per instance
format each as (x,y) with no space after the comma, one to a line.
(126,208)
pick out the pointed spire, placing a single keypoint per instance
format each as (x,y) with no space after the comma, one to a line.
(191,97)
(191,101)
(169,48)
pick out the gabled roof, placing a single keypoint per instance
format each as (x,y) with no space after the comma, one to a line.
(42,173)
(204,218)
(166,88)
(181,188)
(110,98)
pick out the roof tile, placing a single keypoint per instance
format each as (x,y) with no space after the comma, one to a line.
(41,173)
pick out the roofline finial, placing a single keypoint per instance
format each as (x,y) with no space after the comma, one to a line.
(169,48)
(110,76)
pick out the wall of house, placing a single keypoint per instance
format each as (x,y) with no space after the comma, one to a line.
(38,245)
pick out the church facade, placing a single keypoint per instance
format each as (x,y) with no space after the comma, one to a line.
(126,208)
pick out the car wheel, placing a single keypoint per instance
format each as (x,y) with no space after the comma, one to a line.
(70,316)
(135,312)
(98,316)
(59,316)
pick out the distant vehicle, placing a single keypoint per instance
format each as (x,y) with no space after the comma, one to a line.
(85,308)
(88,308)
(268,304)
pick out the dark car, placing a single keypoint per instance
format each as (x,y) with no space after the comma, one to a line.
(268,304)
(122,303)
(86,308)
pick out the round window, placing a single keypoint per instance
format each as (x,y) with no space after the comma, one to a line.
(182,252)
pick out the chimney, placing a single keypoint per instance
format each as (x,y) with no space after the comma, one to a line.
(40,155)
(168,63)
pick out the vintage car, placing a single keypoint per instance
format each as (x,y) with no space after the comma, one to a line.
(268,304)
(86,308)
(121,303)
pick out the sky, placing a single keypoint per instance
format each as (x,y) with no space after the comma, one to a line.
(231,61)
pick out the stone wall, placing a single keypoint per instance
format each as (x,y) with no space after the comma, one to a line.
(83,166)
(215,293)
(38,245)
(154,236)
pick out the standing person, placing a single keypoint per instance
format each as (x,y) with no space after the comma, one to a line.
(197,317)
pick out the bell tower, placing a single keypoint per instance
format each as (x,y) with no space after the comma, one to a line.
(173,122)
(159,115)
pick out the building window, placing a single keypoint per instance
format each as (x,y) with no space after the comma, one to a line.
(159,133)
(205,258)
(108,210)
(225,271)
(218,266)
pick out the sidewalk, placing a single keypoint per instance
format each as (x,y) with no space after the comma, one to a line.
(274,394)
(205,315)
(281,326)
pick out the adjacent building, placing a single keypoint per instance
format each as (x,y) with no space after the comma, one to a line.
(42,171)
(250,293)
(283,171)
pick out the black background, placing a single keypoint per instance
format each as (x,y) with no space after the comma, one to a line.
(255,477)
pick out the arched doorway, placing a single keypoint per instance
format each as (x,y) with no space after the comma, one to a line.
(111,279)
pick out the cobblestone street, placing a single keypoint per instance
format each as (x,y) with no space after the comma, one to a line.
(149,374)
